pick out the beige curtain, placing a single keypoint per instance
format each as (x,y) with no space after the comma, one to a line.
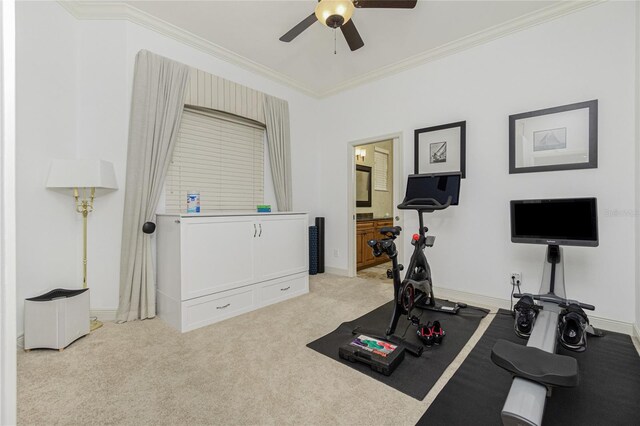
(159,88)
(276,114)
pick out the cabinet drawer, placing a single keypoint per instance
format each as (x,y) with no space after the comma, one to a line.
(383,223)
(365,225)
(272,292)
(209,309)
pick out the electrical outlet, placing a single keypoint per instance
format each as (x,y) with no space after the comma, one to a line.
(515,278)
(336,253)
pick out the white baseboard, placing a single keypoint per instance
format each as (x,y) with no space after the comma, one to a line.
(611,325)
(493,302)
(470,298)
(336,271)
(104,314)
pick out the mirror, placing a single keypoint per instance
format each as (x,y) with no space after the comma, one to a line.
(363,186)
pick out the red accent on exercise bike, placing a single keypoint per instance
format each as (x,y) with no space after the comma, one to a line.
(416,237)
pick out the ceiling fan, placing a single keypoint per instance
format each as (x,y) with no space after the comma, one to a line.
(337,13)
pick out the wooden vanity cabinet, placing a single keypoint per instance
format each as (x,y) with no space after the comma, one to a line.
(369,230)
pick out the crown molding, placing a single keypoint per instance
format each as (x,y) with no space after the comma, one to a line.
(487,35)
(107,10)
(114,10)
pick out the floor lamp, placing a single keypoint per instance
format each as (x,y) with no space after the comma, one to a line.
(85,179)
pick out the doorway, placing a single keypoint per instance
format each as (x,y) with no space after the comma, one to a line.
(374,187)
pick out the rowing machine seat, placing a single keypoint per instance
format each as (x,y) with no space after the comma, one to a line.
(535,364)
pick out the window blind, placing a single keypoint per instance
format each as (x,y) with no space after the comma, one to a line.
(381,168)
(220,156)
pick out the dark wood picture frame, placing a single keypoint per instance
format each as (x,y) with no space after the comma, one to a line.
(426,151)
(367,170)
(592,132)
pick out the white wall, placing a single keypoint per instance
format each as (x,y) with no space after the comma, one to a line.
(74,85)
(48,255)
(586,55)
(74,98)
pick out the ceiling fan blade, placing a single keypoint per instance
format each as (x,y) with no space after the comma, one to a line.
(295,31)
(351,35)
(385,4)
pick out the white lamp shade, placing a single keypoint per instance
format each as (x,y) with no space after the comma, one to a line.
(96,174)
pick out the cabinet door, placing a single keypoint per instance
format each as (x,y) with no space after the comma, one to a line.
(361,246)
(217,254)
(282,246)
(371,234)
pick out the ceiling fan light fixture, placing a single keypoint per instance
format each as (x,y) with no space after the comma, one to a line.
(334,13)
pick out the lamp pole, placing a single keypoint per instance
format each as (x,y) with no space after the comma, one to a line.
(83,177)
(84,206)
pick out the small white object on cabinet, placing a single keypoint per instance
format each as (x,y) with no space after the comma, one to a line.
(212,267)
(55,319)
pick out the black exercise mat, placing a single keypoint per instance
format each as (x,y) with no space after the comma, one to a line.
(608,393)
(415,375)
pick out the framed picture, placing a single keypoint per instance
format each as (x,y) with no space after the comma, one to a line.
(440,149)
(559,138)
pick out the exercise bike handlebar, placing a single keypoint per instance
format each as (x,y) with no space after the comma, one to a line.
(552,298)
(424,204)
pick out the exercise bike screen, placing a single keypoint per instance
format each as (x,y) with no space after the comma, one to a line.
(558,222)
(437,187)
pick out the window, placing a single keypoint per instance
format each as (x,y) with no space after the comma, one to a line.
(381,169)
(219,155)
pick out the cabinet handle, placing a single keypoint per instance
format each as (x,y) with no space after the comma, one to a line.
(225,306)
(285,289)
(177,221)
(260,235)
(255,230)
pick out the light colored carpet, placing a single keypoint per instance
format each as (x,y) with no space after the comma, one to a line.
(378,272)
(252,369)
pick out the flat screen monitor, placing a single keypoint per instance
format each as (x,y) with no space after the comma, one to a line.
(436,186)
(563,221)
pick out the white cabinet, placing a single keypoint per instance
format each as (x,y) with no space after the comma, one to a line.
(212,267)
(282,246)
(217,254)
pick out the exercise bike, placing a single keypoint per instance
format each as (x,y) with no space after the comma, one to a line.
(425,194)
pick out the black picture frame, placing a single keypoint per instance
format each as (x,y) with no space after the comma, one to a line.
(431,143)
(367,180)
(560,124)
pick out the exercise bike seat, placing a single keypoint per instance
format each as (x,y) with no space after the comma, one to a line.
(393,230)
(535,364)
